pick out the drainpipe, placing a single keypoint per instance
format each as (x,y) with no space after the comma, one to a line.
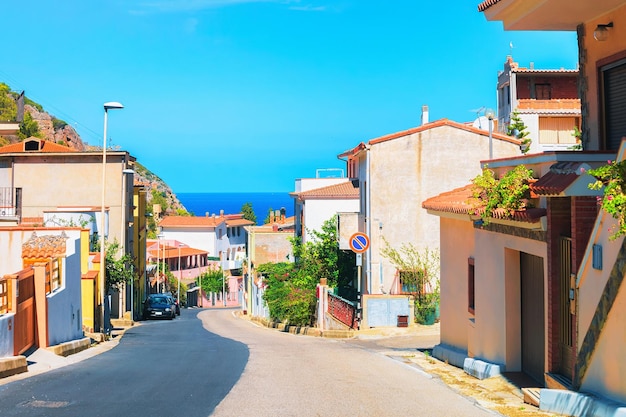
(367,219)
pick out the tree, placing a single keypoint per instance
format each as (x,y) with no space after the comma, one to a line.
(213,280)
(270,216)
(119,271)
(248,212)
(290,287)
(419,273)
(517,128)
(8,108)
(29,127)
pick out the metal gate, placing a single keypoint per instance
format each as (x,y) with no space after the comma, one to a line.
(533,328)
(25,319)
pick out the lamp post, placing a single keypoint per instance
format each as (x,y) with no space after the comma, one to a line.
(107,106)
(490,114)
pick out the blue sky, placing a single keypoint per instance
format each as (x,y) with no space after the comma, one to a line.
(249,95)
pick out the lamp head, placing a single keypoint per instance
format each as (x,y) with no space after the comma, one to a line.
(490,114)
(113,105)
(602,33)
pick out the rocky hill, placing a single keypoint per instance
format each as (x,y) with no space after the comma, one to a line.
(55,130)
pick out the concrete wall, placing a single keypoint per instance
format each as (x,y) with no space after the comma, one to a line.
(7,329)
(203,239)
(606,374)
(457,245)
(495,335)
(407,170)
(594,52)
(40,179)
(64,305)
(271,247)
(316,212)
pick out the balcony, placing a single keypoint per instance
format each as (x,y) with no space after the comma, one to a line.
(10,209)
(232,264)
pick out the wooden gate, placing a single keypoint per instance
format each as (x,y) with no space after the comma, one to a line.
(533,328)
(25,319)
(566,322)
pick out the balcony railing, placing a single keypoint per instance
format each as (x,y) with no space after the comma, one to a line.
(9,198)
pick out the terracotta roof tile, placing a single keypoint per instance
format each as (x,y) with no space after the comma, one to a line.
(48,246)
(45,147)
(461,201)
(560,176)
(345,190)
(486,4)
(238,222)
(191,221)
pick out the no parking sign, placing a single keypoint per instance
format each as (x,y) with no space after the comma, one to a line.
(359,242)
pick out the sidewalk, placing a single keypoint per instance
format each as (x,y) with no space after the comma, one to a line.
(44,359)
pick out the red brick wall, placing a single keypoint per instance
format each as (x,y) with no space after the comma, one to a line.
(560,87)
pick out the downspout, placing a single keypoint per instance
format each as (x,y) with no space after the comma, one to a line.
(368,205)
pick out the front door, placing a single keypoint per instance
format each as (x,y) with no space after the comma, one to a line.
(533,328)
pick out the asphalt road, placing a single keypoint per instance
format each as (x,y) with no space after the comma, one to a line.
(161,368)
(211,363)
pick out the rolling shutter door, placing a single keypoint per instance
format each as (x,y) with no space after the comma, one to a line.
(614,105)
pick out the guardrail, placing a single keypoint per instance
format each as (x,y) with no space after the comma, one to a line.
(343,310)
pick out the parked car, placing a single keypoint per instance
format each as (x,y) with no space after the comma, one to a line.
(158,306)
(174,303)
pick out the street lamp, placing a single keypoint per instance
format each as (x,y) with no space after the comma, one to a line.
(110,105)
(490,114)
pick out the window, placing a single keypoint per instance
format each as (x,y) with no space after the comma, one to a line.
(542,92)
(470,286)
(613,90)
(407,287)
(553,130)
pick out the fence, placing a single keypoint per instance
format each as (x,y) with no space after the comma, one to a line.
(343,310)
(5,295)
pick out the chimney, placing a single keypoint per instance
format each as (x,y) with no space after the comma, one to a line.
(424,114)
(221,213)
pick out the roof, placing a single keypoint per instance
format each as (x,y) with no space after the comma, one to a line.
(561,177)
(345,190)
(47,246)
(191,221)
(486,4)
(238,222)
(461,201)
(42,146)
(428,126)
(172,252)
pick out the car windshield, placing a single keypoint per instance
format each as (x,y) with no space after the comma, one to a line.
(159,300)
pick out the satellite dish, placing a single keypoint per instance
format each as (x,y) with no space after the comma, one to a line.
(481,123)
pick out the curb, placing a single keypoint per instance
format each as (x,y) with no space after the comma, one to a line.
(12,365)
(300,330)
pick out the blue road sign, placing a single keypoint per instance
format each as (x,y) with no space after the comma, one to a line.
(359,242)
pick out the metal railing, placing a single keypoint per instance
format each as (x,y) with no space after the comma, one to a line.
(5,295)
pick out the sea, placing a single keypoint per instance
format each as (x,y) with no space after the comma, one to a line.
(202,203)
